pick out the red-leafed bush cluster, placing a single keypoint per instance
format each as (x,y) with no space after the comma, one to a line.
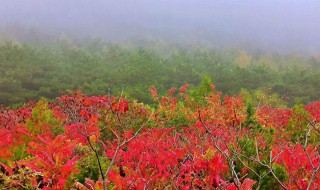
(102,142)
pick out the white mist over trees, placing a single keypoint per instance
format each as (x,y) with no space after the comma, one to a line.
(285,26)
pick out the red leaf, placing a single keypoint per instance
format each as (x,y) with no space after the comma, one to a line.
(184,88)
(247,184)
(171,91)
(154,93)
(68,167)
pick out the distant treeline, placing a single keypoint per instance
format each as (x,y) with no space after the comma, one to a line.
(29,71)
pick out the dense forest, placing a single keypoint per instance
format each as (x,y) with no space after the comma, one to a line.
(29,72)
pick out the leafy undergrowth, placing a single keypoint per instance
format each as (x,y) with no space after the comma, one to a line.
(102,142)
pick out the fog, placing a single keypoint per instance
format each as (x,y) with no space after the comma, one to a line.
(285,26)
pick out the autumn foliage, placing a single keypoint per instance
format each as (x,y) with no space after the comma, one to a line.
(103,142)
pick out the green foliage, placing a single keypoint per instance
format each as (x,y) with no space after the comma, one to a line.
(262,97)
(176,118)
(250,116)
(269,180)
(203,90)
(88,164)
(298,124)
(30,72)
(42,119)
(248,146)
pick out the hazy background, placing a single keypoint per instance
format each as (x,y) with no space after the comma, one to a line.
(285,26)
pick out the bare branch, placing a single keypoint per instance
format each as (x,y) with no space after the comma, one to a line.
(229,160)
(267,166)
(137,132)
(98,159)
(312,177)
(313,124)
(119,145)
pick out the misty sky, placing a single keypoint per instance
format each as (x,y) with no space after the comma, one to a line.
(276,25)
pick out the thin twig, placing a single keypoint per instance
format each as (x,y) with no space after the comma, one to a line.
(229,160)
(98,159)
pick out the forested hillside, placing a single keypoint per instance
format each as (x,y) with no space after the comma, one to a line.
(33,71)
